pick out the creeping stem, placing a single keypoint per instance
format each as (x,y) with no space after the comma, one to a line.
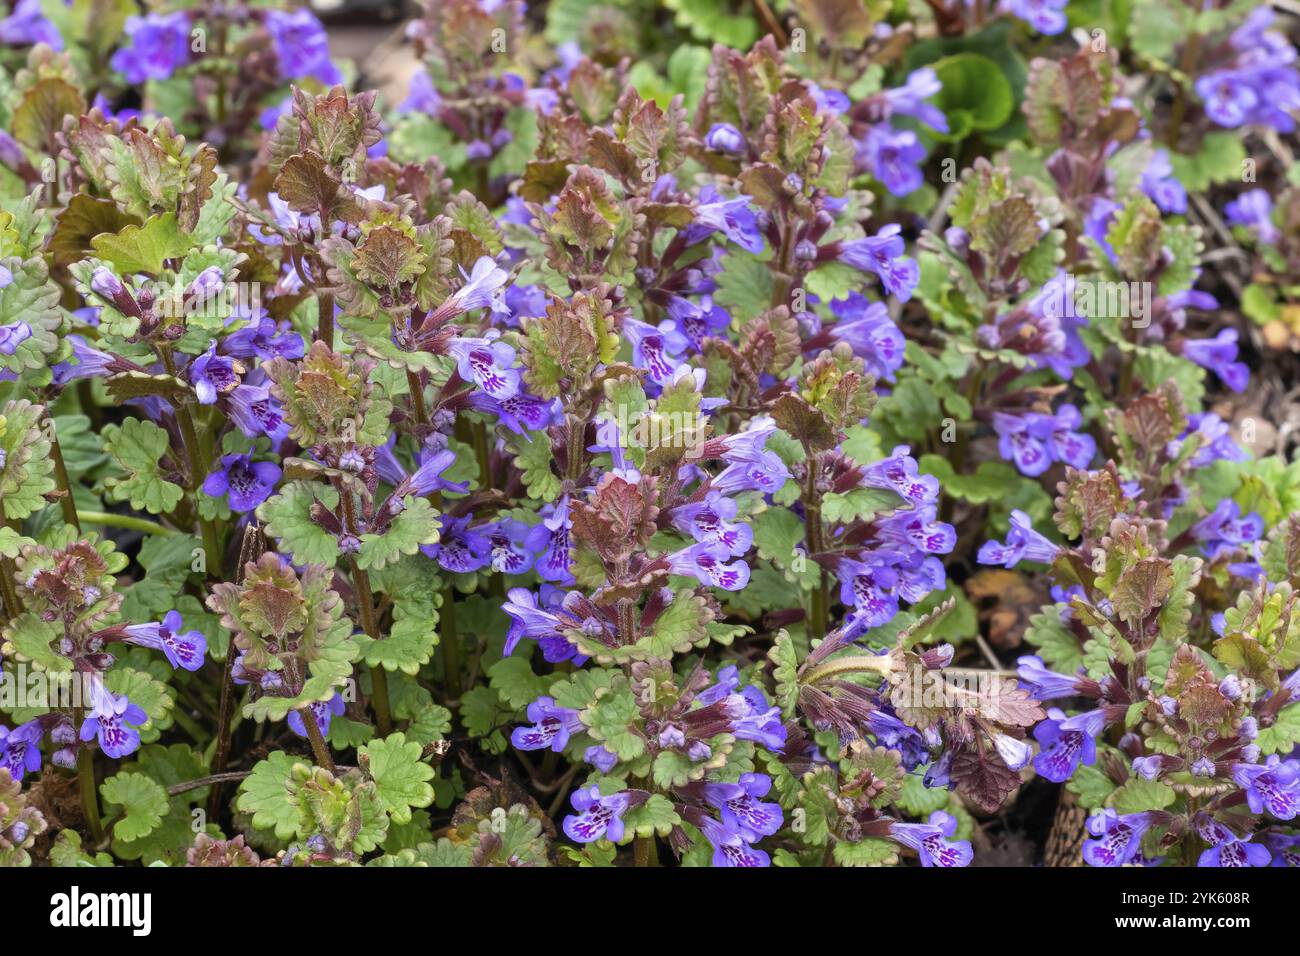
(65,485)
(322,752)
(378,676)
(86,782)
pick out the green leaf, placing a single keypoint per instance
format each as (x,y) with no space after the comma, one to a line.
(859,504)
(533,457)
(744,285)
(1091,786)
(869,851)
(417,524)
(513,678)
(287,518)
(1056,643)
(399,773)
(612,720)
(265,795)
(975,95)
(143,803)
(655,816)
(1283,734)
(139,447)
(1139,794)
(143,248)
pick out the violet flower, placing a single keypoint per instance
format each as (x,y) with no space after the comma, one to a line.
(246,482)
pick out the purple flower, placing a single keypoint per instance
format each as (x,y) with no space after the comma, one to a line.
(1045,16)
(507,546)
(600,758)
(550,542)
(183,650)
(248,483)
(753,719)
(910,99)
(710,522)
(426,479)
(900,473)
(1219,355)
(1023,544)
(1232,852)
(883,255)
(732,217)
(20,749)
(422,96)
(487,362)
(552,727)
(256,413)
(321,711)
(1034,441)
(731,845)
(893,156)
(1044,684)
(932,842)
(707,562)
(870,332)
(1225,529)
(1158,183)
(659,349)
(869,586)
(460,549)
(1273,786)
(1215,441)
(750,466)
(212,374)
(1067,742)
(26,26)
(597,817)
(481,289)
(1118,837)
(114,721)
(520,413)
(265,338)
(13,335)
(1254,210)
(301,45)
(160,43)
(725,138)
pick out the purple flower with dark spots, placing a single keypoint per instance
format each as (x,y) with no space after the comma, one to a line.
(246,482)
(1044,684)
(507,543)
(488,363)
(212,375)
(734,218)
(882,254)
(255,412)
(182,650)
(20,749)
(160,44)
(1273,786)
(598,816)
(707,562)
(657,349)
(264,338)
(1023,544)
(460,549)
(550,542)
(932,841)
(552,727)
(731,845)
(1066,742)
(910,99)
(114,721)
(1118,838)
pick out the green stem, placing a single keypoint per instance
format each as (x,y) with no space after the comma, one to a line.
(65,485)
(108,519)
(378,676)
(325,318)
(13,606)
(450,642)
(644,851)
(318,747)
(89,797)
(198,471)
